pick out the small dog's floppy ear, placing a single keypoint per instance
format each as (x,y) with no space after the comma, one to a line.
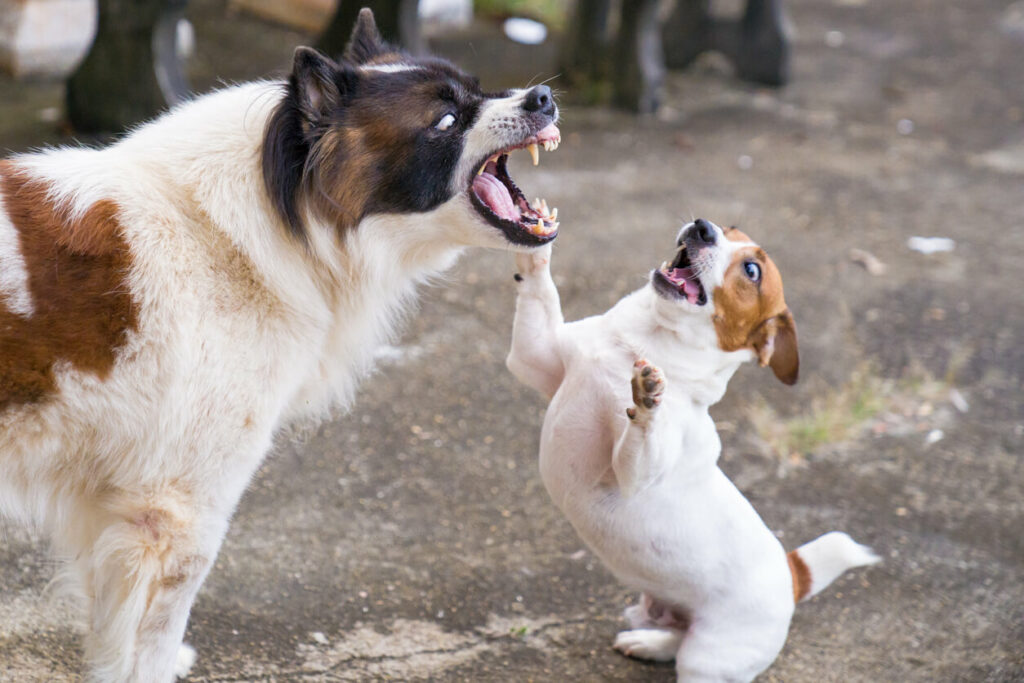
(775,343)
(320,84)
(365,43)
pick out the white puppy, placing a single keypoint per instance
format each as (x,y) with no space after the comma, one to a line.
(629,452)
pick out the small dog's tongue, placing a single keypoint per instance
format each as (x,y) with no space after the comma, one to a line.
(495,195)
(690,288)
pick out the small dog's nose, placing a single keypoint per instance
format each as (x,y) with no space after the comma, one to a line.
(704,232)
(540,99)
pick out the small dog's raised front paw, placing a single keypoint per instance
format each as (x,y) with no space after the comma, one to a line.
(648,386)
(655,644)
(534,261)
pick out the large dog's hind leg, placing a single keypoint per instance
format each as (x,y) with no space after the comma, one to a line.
(142,573)
(535,358)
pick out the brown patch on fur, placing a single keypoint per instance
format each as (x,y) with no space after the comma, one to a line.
(76,278)
(801,575)
(754,315)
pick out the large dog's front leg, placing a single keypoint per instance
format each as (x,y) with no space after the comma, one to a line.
(640,451)
(141,574)
(535,358)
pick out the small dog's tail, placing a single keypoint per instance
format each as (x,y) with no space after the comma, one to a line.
(816,564)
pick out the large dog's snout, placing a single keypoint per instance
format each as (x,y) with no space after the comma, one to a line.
(539,99)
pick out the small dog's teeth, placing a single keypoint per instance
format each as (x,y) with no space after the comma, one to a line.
(534,154)
(554,214)
(544,207)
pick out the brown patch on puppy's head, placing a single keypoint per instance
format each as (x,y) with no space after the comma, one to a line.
(751,311)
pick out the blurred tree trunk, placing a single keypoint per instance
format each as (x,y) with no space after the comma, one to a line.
(585,56)
(397,21)
(132,71)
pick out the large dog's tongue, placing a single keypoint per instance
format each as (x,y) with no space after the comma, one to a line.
(495,195)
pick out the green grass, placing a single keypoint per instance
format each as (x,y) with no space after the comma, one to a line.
(843,413)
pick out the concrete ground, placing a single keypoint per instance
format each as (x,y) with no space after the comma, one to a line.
(412,538)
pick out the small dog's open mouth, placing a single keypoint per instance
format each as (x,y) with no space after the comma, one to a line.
(677,279)
(501,202)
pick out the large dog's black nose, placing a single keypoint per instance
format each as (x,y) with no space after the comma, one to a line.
(540,99)
(703,232)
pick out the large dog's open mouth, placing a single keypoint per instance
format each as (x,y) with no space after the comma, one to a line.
(678,280)
(503,205)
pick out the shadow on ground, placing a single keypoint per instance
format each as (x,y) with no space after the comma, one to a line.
(412,538)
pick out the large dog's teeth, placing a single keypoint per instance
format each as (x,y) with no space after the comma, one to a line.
(481,171)
(664,266)
(534,154)
(554,214)
(544,207)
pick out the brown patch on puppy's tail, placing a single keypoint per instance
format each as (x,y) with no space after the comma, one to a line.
(816,564)
(801,575)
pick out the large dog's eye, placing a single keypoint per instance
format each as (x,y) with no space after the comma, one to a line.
(752,270)
(446,122)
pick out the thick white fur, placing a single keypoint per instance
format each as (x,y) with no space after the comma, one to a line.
(646,494)
(241,330)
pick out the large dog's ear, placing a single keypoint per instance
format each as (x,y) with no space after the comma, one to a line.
(775,343)
(320,84)
(365,43)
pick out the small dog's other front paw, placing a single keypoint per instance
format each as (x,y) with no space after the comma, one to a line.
(648,385)
(653,644)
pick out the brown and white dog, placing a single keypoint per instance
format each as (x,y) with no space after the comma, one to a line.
(169,302)
(629,453)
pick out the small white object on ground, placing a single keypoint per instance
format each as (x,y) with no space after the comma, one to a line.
(931,245)
(904,126)
(834,38)
(958,400)
(184,39)
(185,660)
(525,31)
(745,162)
(870,262)
(319,637)
(934,436)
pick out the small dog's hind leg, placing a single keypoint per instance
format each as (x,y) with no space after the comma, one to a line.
(655,644)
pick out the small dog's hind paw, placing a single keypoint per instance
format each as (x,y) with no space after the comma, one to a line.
(654,644)
(648,385)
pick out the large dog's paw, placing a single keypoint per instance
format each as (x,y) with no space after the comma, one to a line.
(654,644)
(533,262)
(184,661)
(648,386)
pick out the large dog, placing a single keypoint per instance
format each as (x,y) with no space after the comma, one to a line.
(629,452)
(169,302)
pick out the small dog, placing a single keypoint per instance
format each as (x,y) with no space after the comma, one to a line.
(628,450)
(168,303)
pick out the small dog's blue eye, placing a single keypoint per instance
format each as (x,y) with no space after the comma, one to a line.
(446,122)
(752,270)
